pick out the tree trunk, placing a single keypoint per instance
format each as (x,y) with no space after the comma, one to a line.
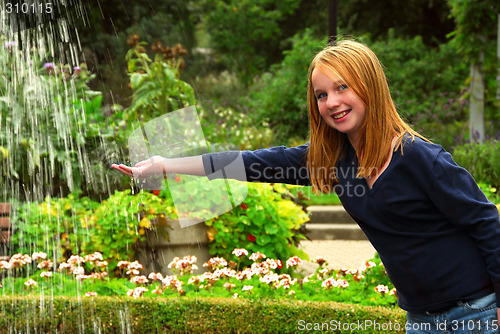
(498,56)
(476,118)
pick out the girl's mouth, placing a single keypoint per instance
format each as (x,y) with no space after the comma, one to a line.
(340,115)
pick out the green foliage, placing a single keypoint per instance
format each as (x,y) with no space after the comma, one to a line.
(310,198)
(116,226)
(245,33)
(104,29)
(45,134)
(266,222)
(408,19)
(225,125)
(476,26)
(476,39)
(482,160)
(427,86)
(367,285)
(53,225)
(156,84)
(280,97)
(70,225)
(200,315)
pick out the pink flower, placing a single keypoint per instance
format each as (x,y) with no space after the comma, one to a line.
(257,256)
(247,288)
(91,294)
(215,262)
(157,291)
(137,292)
(319,260)
(5,265)
(30,282)
(75,259)
(39,256)
(294,261)
(381,289)
(46,274)
(45,264)
(139,280)
(123,264)
(155,276)
(235,296)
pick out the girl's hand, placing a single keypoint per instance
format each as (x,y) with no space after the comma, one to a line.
(153,166)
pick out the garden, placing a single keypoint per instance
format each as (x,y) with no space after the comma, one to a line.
(88,250)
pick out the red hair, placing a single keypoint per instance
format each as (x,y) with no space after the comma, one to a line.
(362,72)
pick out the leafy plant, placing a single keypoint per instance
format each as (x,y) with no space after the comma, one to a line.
(278,98)
(267,222)
(53,225)
(45,136)
(482,160)
(246,33)
(156,86)
(116,226)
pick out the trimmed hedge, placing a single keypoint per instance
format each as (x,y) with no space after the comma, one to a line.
(201,315)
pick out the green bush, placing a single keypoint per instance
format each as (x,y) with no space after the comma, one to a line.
(46,143)
(279,97)
(53,225)
(198,315)
(70,225)
(427,86)
(267,222)
(482,160)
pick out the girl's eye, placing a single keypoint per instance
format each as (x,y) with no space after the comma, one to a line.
(321,95)
(342,87)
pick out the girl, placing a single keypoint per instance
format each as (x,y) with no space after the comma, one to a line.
(435,231)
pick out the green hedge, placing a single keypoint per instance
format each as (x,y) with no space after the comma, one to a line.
(482,160)
(211,315)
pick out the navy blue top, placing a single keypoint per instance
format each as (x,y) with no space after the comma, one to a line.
(435,231)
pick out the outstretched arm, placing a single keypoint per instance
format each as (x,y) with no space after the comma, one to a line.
(158,165)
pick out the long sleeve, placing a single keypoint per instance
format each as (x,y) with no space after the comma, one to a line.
(458,197)
(273,165)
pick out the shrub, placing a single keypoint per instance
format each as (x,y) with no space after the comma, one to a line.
(482,160)
(119,222)
(426,85)
(45,137)
(70,225)
(279,97)
(267,222)
(199,315)
(53,225)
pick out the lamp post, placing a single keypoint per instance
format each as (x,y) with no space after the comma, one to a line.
(332,27)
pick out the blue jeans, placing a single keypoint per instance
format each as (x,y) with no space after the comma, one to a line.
(475,316)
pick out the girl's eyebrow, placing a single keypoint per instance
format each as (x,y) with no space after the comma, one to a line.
(335,84)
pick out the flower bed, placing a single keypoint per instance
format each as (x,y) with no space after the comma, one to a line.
(265,279)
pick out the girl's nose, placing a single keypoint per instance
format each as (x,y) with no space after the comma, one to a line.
(333,101)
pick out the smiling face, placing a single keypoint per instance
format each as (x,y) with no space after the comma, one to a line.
(338,104)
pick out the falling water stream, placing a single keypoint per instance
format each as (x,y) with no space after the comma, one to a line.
(41,119)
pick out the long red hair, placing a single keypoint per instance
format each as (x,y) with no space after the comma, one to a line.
(361,71)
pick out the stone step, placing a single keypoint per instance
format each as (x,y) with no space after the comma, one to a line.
(324,231)
(332,222)
(329,214)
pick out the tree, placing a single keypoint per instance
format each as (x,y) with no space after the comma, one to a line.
(475,33)
(426,18)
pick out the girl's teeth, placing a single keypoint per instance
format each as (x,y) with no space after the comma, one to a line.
(340,115)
